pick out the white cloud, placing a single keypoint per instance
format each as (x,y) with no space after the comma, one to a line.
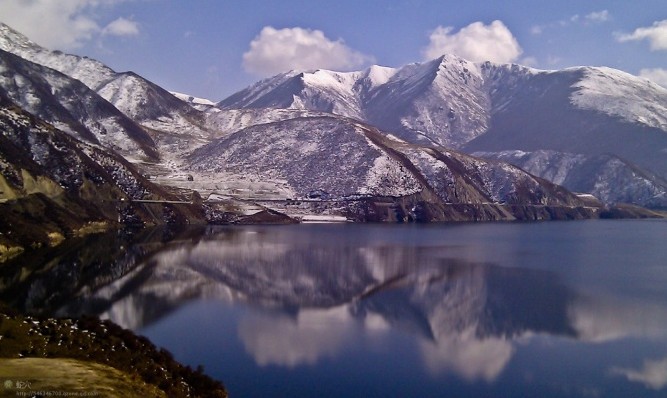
(652,375)
(656,75)
(62,24)
(476,42)
(598,16)
(280,50)
(121,27)
(656,34)
(595,17)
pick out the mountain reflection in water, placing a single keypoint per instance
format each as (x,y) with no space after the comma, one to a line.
(306,296)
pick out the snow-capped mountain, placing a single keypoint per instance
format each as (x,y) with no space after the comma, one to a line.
(90,72)
(71,106)
(607,177)
(488,107)
(140,99)
(584,110)
(128,92)
(451,101)
(166,117)
(439,102)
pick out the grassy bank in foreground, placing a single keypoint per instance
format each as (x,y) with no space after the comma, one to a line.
(105,357)
(60,376)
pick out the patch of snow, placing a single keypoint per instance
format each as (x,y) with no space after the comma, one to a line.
(192,99)
(341,82)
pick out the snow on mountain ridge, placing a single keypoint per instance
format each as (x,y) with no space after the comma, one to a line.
(71,106)
(142,101)
(228,121)
(254,96)
(331,92)
(89,71)
(449,100)
(122,93)
(411,101)
(10,37)
(621,94)
(333,80)
(321,154)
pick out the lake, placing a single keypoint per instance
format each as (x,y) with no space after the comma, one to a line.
(551,309)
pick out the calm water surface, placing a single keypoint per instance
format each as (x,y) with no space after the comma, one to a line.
(557,309)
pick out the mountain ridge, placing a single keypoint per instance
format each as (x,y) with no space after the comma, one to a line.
(163,116)
(488,107)
(72,106)
(461,76)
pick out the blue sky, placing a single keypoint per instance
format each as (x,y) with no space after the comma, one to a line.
(212,48)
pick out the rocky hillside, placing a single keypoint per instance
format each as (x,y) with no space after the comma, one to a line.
(340,159)
(607,177)
(53,185)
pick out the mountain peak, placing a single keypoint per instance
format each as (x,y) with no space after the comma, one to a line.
(456,66)
(378,75)
(90,72)
(13,41)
